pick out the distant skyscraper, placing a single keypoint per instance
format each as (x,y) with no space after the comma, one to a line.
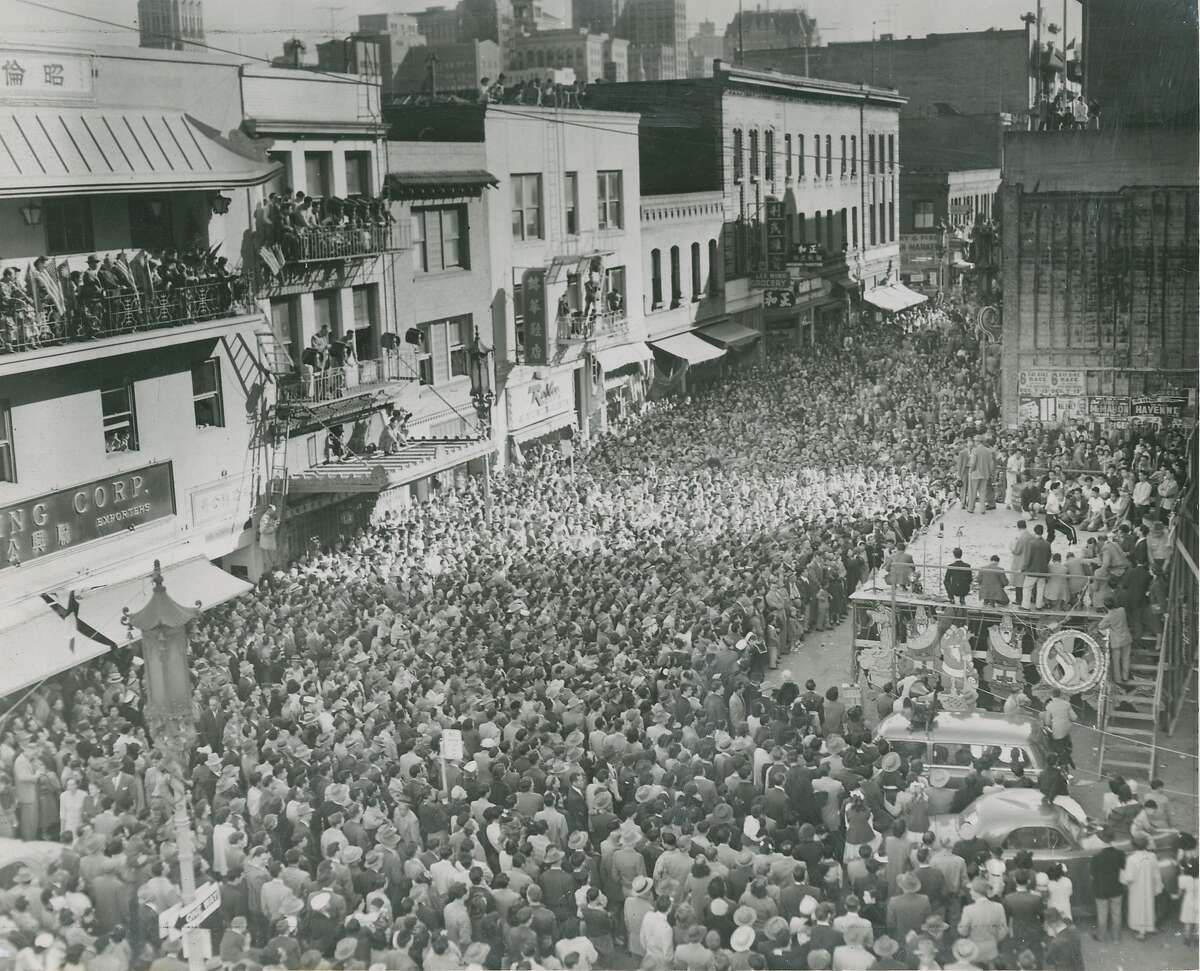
(597,16)
(704,47)
(170,24)
(657,29)
(763,30)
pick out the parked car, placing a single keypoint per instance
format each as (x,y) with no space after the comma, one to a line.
(1057,832)
(955,742)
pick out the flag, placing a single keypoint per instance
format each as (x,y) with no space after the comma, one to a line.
(71,621)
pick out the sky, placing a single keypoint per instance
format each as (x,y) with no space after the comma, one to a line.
(258,28)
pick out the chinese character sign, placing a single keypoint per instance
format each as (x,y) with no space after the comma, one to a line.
(537,330)
(48,524)
(37,76)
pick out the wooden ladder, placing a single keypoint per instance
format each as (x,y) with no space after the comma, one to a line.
(1131,717)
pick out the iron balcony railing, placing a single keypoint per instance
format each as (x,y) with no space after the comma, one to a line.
(338,381)
(26,326)
(340,242)
(579,327)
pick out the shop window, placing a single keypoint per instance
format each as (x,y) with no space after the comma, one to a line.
(119,418)
(68,225)
(207,404)
(8,459)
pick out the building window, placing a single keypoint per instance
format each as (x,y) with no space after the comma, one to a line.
(844,218)
(714,279)
(891,153)
(801,228)
(828,156)
(120,419)
(8,459)
(769,152)
(317,175)
(737,153)
(871,154)
(787,157)
(853,155)
(843,156)
(800,153)
(358,174)
(816,156)
(883,229)
(871,223)
(829,230)
(571,198)
(207,404)
(527,207)
(655,279)
(891,221)
(458,338)
(753,153)
(282,179)
(425,356)
(818,233)
(608,200)
(854,226)
(151,223)
(614,278)
(285,326)
(365,316)
(697,287)
(676,284)
(68,225)
(440,239)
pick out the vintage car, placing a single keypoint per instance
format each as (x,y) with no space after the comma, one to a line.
(954,742)
(1057,832)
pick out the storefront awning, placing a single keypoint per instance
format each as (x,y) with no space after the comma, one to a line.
(41,647)
(894,297)
(614,358)
(688,347)
(730,334)
(544,427)
(187,582)
(418,459)
(440,184)
(79,151)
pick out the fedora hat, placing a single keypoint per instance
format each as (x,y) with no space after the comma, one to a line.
(744,916)
(742,939)
(965,949)
(885,947)
(642,886)
(908,883)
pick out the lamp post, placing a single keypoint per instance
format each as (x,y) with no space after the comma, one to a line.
(483,397)
(168,713)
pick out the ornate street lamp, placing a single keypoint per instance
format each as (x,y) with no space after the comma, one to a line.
(483,397)
(170,722)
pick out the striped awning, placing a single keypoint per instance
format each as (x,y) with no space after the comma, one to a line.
(420,458)
(688,347)
(440,184)
(50,151)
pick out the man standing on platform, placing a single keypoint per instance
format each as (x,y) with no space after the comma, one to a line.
(958,578)
(981,465)
(1020,559)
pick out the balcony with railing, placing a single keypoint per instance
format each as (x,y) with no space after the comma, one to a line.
(310,386)
(57,312)
(594,328)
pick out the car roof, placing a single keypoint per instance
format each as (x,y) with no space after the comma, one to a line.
(1016,807)
(977,727)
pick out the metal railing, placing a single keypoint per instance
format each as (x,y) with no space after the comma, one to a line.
(580,327)
(339,242)
(25,326)
(348,379)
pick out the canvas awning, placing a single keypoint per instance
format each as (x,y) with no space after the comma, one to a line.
(187,582)
(614,358)
(688,347)
(730,334)
(41,647)
(56,151)
(894,297)
(418,459)
(440,184)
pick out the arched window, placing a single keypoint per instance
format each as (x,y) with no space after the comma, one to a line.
(676,285)
(695,271)
(714,278)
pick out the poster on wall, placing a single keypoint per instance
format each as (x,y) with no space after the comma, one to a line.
(1106,407)
(1165,406)
(1050,381)
(1027,409)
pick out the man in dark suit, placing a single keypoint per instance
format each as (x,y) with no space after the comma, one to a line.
(124,789)
(1026,909)
(575,804)
(212,725)
(775,800)
(558,887)
(958,578)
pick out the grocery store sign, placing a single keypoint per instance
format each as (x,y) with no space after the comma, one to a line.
(47,524)
(1050,381)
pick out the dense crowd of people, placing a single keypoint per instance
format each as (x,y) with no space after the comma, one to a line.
(630,792)
(53,303)
(295,226)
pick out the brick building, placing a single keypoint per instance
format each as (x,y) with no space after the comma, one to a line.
(967,73)
(1100,281)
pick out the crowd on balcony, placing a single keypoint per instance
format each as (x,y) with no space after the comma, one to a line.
(633,791)
(51,303)
(293,226)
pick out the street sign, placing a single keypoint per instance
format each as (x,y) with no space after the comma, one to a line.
(203,905)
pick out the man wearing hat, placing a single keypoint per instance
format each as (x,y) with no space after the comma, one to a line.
(908,910)
(637,905)
(966,953)
(558,887)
